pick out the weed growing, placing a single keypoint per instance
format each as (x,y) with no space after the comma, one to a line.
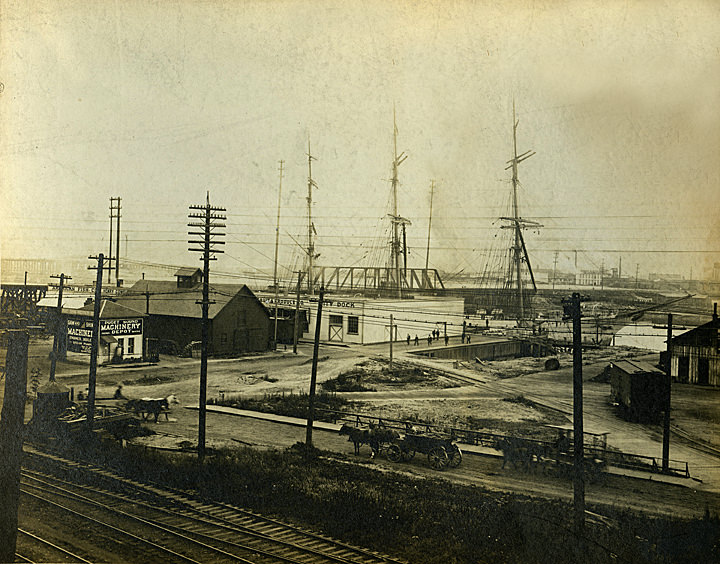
(289,405)
(426,521)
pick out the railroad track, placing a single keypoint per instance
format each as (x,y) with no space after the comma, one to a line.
(38,549)
(155,524)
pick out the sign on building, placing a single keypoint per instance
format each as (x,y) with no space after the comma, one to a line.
(79,331)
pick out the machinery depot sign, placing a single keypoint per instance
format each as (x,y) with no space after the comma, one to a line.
(79,331)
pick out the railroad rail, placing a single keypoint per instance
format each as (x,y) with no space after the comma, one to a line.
(47,551)
(158,521)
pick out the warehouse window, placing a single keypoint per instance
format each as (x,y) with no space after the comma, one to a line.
(131,345)
(336,320)
(223,338)
(353,324)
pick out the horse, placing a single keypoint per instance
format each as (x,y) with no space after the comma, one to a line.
(358,435)
(515,452)
(373,436)
(146,407)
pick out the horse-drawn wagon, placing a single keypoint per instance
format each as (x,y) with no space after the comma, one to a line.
(441,451)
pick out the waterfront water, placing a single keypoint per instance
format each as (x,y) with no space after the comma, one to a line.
(644,336)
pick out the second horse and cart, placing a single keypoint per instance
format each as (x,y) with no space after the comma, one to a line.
(440,449)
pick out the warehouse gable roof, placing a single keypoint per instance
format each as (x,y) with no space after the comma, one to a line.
(700,336)
(108,310)
(187,271)
(159,297)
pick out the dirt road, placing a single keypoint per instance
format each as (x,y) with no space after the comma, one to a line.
(284,372)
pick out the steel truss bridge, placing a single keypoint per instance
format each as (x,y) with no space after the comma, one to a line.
(369,278)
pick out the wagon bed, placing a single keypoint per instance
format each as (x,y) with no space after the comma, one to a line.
(441,451)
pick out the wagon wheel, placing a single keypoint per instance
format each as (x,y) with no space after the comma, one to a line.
(394,453)
(438,458)
(408,455)
(455,457)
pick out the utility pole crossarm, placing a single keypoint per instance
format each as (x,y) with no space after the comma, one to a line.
(210,219)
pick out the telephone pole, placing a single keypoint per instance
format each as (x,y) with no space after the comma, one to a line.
(392,327)
(668,388)
(115,215)
(11,439)
(206,244)
(313,374)
(297,315)
(573,311)
(427,253)
(277,241)
(58,326)
(95,340)
(554,269)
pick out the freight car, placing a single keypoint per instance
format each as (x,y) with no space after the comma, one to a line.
(638,389)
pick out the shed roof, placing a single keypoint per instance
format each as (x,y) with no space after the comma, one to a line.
(160,297)
(71,301)
(636,367)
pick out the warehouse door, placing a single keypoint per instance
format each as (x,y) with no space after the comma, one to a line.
(336,328)
(703,371)
(683,368)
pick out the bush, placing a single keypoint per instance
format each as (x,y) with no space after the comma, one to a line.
(427,521)
(289,405)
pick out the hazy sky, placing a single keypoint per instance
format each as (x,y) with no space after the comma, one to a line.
(158,102)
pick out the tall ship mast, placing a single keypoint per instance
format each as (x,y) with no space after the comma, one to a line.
(507,285)
(519,254)
(395,278)
(398,248)
(311,256)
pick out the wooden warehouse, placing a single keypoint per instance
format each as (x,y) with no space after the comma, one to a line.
(695,354)
(239,323)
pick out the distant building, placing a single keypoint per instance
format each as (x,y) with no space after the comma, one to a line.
(695,354)
(239,322)
(589,278)
(121,331)
(361,320)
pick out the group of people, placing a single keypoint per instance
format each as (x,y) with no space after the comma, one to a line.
(434,335)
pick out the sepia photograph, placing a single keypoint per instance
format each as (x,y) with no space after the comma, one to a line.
(399,282)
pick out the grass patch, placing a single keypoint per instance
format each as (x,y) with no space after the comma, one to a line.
(521,400)
(426,521)
(350,381)
(367,375)
(289,405)
(148,381)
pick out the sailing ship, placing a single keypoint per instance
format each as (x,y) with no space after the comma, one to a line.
(510,290)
